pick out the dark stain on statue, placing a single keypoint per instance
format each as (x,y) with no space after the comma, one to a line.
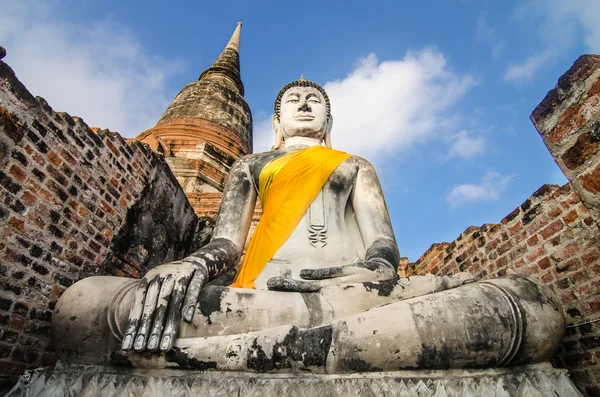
(355,364)
(432,357)
(282,352)
(257,360)
(532,292)
(117,358)
(311,346)
(179,356)
(210,301)
(259,160)
(338,183)
(383,288)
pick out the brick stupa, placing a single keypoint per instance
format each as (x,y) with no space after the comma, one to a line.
(205,129)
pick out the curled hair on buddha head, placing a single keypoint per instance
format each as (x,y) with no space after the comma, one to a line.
(302,82)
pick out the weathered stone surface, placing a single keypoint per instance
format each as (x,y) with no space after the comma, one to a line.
(160,227)
(528,381)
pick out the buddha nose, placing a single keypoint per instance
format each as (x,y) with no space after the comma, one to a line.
(304,107)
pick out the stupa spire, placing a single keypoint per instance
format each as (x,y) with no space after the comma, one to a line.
(234,41)
(226,68)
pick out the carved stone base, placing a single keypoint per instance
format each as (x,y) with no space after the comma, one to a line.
(539,380)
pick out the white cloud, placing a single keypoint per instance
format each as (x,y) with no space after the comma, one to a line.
(486,33)
(383,107)
(561,24)
(465,145)
(528,69)
(99,72)
(490,188)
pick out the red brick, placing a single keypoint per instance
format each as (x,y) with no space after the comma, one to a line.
(54,158)
(57,290)
(17,223)
(534,254)
(112,147)
(590,256)
(591,307)
(570,217)
(544,263)
(28,198)
(579,277)
(566,252)
(551,229)
(515,228)
(554,212)
(585,291)
(591,181)
(569,296)
(17,322)
(520,262)
(570,265)
(533,240)
(18,173)
(547,277)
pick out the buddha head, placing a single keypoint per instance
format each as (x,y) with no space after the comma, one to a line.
(302,108)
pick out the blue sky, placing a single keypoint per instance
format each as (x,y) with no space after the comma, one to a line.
(436,94)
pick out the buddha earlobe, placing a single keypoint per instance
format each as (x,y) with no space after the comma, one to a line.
(327,137)
(278,134)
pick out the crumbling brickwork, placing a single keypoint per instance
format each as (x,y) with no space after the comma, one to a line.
(69,198)
(554,236)
(568,120)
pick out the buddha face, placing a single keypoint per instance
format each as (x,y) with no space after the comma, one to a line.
(303,113)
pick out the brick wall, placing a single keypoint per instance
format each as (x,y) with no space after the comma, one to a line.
(66,195)
(554,236)
(568,120)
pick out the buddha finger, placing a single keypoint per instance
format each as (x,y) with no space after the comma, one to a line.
(147,314)
(174,313)
(193,292)
(134,314)
(320,274)
(161,309)
(286,284)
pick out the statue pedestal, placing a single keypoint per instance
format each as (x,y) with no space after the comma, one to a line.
(90,381)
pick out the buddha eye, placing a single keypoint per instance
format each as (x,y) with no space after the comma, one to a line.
(313,100)
(292,100)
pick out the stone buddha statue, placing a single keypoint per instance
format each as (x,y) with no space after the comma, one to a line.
(317,287)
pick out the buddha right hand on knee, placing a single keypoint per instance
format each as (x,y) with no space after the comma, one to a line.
(164,295)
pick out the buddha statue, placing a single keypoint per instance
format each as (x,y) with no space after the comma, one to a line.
(317,288)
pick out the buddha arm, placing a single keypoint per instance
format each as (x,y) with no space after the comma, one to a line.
(170,291)
(233,223)
(373,218)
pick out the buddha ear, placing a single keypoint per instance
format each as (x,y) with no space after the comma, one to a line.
(328,127)
(278,134)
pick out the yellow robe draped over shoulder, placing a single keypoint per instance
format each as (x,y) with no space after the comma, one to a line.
(287,186)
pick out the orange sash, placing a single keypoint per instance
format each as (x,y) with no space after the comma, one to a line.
(287,187)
